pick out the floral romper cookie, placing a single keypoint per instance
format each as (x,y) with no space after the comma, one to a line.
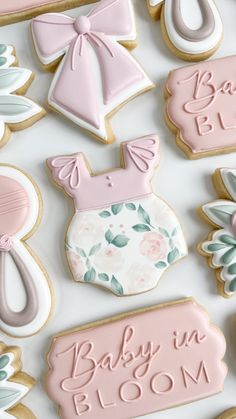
(122,236)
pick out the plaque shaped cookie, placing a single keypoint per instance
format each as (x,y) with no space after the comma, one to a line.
(200,107)
(220,248)
(192,30)
(14,384)
(158,358)
(25,296)
(16,10)
(228,414)
(122,236)
(16,111)
(96,75)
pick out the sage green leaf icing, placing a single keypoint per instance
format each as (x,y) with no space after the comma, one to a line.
(232,269)
(116,286)
(141,228)
(225,238)
(161,265)
(221,213)
(120,240)
(4,361)
(95,249)
(81,252)
(12,78)
(109,236)
(104,214)
(231,178)
(232,285)
(3,375)
(14,105)
(90,275)
(88,264)
(116,208)
(103,277)
(130,206)
(175,231)
(229,256)
(3,48)
(3,61)
(163,231)
(8,397)
(214,247)
(173,255)
(143,215)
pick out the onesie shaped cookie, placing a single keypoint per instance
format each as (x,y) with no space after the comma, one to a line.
(220,248)
(16,112)
(156,358)
(228,414)
(14,384)
(192,30)
(200,107)
(96,75)
(21,313)
(122,236)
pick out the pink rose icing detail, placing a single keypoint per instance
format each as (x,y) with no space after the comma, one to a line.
(141,277)
(153,246)
(88,230)
(109,259)
(5,243)
(76,265)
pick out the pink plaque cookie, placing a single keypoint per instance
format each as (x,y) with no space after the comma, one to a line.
(201,107)
(176,360)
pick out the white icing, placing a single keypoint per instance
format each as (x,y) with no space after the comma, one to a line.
(12,79)
(40,280)
(155,2)
(8,54)
(225,177)
(197,47)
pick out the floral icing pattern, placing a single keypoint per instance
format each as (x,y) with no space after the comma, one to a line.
(12,384)
(221,246)
(122,237)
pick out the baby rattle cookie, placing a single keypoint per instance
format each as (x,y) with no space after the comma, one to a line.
(220,248)
(228,414)
(201,99)
(96,75)
(159,357)
(21,313)
(122,236)
(14,384)
(192,30)
(16,111)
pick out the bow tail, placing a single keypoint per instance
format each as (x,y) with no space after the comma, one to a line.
(120,72)
(73,89)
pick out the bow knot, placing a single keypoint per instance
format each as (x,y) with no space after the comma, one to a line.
(5,243)
(82,25)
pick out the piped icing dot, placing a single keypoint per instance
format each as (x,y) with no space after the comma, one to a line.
(14,206)
(82,25)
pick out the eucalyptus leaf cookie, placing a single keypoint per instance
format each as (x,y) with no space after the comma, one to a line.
(122,236)
(96,75)
(158,357)
(14,384)
(192,29)
(220,248)
(228,414)
(16,111)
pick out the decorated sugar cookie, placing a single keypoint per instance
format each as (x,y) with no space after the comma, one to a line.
(16,111)
(220,248)
(14,384)
(192,29)
(22,313)
(17,10)
(159,357)
(228,414)
(122,236)
(96,74)
(201,99)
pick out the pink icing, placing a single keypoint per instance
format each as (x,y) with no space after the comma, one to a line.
(75,89)
(14,206)
(202,104)
(176,360)
(13,6)
(90,191)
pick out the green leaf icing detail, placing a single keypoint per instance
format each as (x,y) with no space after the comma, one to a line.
(3,375)
(141,228)
(232,269)
(116,208)
(222,213)
(88,264)
(120,241)
(3,48)
(163,231)
(175,231)
(232,181)
(95,249)
(103,277)
(81,252)
(143,215)
(232,285)
(130,206)
(161,265)
(90,275)
(104,214)
(3,61)
(11,105)
(173,255)
(214,247)
(116,286)
(8,397)
(109,236)
(229,256)
(225,238)
(4,361)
